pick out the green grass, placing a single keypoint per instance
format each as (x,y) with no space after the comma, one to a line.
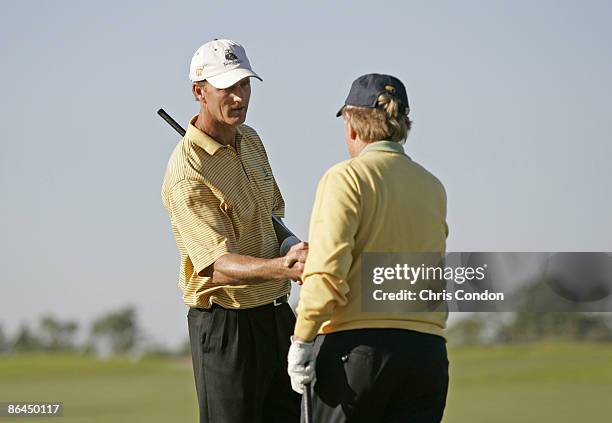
(116,390)
(552,382)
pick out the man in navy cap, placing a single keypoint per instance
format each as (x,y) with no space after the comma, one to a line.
(384,366)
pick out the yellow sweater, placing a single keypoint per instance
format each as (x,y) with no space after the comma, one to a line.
(380,201)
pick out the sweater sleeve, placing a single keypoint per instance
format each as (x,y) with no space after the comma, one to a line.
(333,225)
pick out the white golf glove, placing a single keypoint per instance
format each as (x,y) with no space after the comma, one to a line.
(300,364)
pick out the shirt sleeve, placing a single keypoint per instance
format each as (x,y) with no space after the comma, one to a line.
(205,230)
(333,225)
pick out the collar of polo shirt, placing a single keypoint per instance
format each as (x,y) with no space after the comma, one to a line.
(384,145)
(202,139)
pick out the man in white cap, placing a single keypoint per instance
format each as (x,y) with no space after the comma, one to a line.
(220,194)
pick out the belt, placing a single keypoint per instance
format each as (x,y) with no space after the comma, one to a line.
(281,300)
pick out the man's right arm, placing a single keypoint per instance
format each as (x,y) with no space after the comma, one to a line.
(208,236)
(334,222)
(240,269)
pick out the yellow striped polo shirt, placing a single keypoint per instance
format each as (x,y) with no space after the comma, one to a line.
(220,200)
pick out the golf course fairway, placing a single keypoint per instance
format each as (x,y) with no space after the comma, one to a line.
(544,382)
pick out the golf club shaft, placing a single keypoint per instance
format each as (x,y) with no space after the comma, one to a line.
(307,403)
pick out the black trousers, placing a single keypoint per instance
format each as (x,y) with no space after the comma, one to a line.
(380,375)
(240,364)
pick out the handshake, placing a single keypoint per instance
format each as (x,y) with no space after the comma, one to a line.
(294,253)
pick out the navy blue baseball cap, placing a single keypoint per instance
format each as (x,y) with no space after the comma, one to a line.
(366,89)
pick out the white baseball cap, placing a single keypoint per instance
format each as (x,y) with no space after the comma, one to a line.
(222,63)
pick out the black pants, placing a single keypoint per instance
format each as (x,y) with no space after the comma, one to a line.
(380,375)
(240,364)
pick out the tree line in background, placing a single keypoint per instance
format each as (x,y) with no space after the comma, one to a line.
(115,333)
(504,328)
(118,333)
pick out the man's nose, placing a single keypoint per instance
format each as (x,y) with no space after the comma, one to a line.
(240,93)
(239,98)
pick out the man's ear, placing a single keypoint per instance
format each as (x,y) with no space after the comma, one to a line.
(198,92)
(351,132)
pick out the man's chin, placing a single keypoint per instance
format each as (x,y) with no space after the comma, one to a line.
(236,120)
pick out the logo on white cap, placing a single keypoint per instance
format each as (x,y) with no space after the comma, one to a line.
(222,63)
(229,55)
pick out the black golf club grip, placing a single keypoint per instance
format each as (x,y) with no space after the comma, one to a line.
(165,116)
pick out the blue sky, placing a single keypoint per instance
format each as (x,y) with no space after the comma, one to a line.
(510,102)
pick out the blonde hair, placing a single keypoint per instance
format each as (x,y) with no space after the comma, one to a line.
(387,121)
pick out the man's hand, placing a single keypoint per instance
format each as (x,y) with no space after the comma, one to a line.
(297,253)
(295,272)
(300,364)
(295,259)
